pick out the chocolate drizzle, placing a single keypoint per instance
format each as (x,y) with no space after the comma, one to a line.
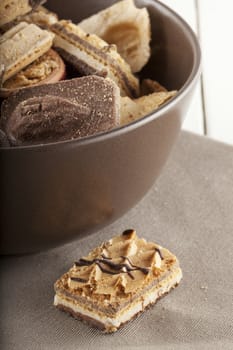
(145,270)
(130,231)
(109,266)
(78,279)
(115,268)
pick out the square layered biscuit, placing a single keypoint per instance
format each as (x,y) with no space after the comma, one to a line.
(116,281)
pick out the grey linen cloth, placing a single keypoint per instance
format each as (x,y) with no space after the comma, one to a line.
(189,211)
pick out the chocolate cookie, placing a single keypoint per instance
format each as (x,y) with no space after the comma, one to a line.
(65,110)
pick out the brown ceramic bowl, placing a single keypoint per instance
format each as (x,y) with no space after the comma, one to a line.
(54,193)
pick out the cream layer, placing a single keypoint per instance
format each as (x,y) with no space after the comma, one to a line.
(111,324)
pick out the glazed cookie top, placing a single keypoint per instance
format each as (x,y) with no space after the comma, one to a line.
(118,269)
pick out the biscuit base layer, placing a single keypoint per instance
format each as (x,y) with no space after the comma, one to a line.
(111,324)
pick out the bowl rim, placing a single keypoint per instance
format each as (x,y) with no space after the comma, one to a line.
(122,129)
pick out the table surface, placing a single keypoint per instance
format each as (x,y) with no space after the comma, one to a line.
(211,110)
(188,211)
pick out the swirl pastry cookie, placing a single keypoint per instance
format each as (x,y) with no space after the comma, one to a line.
(91,55)
(116,281)
(47,69)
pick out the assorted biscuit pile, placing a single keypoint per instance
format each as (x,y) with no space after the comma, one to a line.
(61,80)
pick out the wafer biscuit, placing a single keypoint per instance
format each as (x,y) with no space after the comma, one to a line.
(21,45)
(91,55)
(126,26)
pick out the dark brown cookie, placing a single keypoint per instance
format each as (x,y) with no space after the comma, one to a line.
(65,110)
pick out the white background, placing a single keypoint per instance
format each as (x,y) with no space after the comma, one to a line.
(211,112)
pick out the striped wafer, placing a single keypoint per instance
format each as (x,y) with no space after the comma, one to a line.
(91,55)
(126,26)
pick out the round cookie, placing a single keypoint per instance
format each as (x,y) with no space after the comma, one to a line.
(48,68)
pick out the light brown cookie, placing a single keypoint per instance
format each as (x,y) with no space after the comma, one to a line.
(10,9)
(21,45)
(41,17)
(126,26)
(132,110)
